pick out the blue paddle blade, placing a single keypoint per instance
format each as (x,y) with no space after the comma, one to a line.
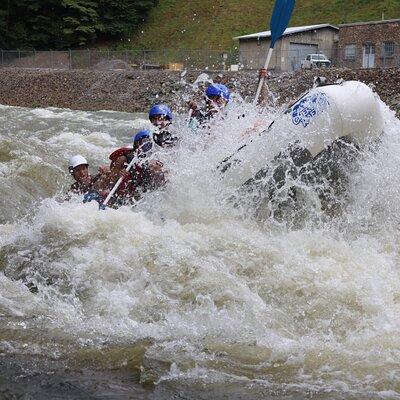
(280,19)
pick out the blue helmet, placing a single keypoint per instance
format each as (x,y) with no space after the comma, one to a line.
(144,133)
(218,89)
(161,109)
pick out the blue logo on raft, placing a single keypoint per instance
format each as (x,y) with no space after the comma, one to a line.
(308,108)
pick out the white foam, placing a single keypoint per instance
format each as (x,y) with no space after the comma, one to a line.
(222,297)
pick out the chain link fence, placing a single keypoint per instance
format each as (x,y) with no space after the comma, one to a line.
(350,56)
(125,59)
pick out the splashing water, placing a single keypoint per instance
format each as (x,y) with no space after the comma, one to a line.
(189,290)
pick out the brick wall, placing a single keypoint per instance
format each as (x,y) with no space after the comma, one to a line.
(381,39)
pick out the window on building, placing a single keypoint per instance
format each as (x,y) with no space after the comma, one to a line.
(388,49)
(350,52)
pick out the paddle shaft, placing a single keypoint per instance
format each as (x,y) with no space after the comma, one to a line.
(190,116)
(262,79)
(119,181)
(279,21)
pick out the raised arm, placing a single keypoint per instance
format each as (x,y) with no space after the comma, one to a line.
(263,98)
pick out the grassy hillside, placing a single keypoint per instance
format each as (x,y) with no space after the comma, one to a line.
(202,24)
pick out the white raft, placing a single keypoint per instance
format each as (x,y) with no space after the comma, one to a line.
(324,114)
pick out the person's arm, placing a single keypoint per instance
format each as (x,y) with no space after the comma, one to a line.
(152,175)
(192,106)
(196,113)
(158,174)
(103,169)
(73,190)
(263,98)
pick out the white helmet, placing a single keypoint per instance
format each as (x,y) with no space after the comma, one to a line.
(74,161)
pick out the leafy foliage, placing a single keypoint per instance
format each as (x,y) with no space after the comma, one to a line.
(68,23)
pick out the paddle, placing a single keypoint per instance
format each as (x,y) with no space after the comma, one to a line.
(279,22)
(190,116)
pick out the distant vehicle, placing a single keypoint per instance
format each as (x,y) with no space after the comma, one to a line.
(315,61)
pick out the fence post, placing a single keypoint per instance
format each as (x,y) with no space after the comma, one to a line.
(89,58)
(69,59)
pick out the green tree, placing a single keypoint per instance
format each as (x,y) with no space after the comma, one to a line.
(58,24)
(80,21)
(120,18)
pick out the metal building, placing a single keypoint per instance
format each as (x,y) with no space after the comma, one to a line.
(290,50)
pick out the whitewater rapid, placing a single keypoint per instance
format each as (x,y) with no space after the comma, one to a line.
(187,291)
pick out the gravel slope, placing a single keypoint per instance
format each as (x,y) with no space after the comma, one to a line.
(136,90)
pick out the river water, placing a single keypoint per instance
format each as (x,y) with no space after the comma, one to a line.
(188,295)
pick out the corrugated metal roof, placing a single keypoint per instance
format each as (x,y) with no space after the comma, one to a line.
(288,31)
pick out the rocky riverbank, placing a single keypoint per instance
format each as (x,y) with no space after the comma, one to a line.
(137,90)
